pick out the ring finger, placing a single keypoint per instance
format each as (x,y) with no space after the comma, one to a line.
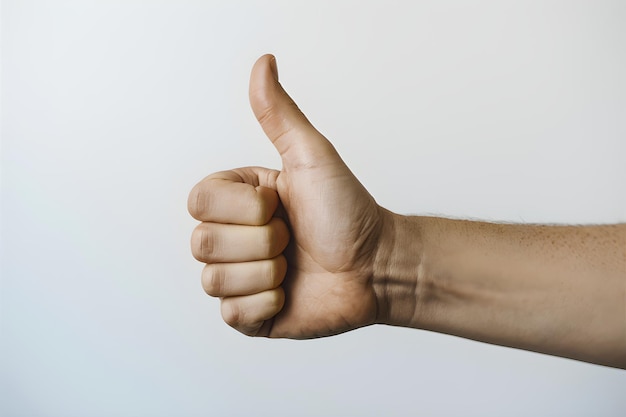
(243,278)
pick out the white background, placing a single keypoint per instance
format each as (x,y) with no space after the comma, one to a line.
(113,110)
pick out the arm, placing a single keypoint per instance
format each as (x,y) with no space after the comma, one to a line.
(559,290)
(307,252)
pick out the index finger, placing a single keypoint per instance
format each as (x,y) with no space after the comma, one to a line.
(246,196)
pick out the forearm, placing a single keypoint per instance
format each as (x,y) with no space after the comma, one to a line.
(560,290)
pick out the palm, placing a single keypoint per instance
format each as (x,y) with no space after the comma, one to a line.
(333,222)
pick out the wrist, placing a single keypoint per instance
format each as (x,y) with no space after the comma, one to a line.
(398,272)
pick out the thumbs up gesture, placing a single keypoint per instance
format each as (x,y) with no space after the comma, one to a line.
(306,252)
(294,253)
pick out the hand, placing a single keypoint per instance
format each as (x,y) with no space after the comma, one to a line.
(291,253)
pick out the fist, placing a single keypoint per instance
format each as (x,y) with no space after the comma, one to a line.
(242,244)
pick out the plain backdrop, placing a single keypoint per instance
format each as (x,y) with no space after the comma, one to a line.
(113,110)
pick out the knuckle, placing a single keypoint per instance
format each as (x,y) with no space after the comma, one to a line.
(231,313)
(202,243)
(197,202)
(202,201)
(267,115)
(193,202)
(271,120)
(214,280)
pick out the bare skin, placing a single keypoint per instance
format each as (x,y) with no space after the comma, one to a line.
(307,252)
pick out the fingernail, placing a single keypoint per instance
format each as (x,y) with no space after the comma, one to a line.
(274,68)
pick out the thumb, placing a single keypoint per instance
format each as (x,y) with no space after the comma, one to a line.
(295,138)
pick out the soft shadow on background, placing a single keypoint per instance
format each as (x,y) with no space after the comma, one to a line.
(113,110)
